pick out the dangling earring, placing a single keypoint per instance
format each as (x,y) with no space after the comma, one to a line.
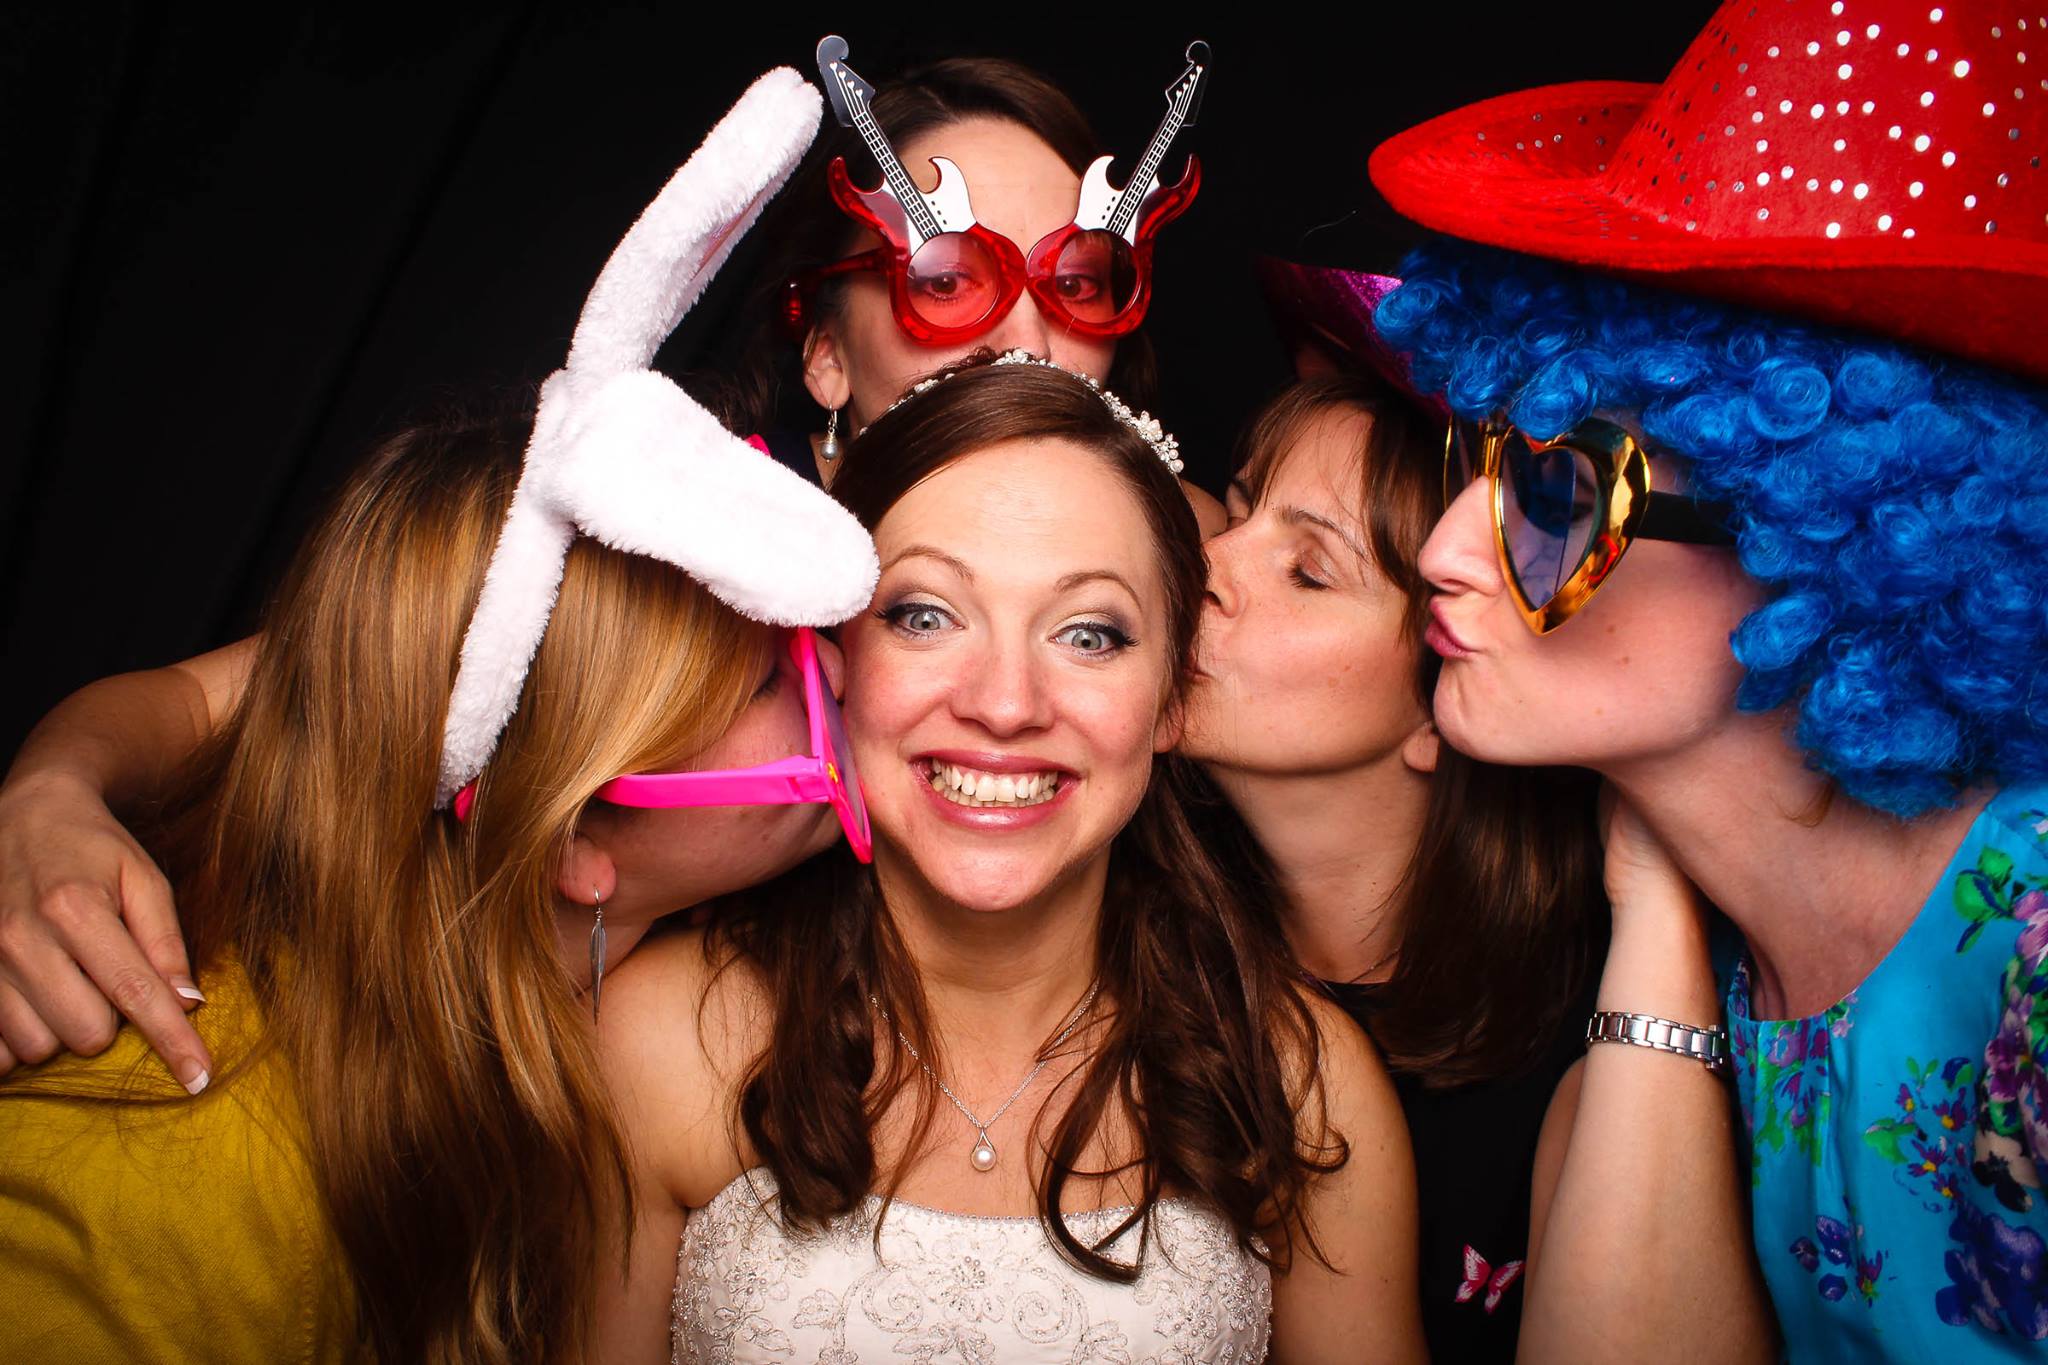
(830,450)
(596,955)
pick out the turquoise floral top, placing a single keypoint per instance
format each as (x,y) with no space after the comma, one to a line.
(1898,1139)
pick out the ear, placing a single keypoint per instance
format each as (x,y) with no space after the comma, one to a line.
(1419,750)
(1172,724)
(824,370)
(586,873)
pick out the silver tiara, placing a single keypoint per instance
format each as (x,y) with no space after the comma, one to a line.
(1144,423)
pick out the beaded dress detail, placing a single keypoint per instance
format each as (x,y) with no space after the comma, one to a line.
(951,1287)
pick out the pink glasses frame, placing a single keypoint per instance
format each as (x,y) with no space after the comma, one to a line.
(819,776)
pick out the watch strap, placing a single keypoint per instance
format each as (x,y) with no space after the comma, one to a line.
(1707,1046)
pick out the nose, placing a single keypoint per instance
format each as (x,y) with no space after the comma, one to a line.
(1024,327)
(1459,555)
(1004,691)
(833,663)
(1225,593)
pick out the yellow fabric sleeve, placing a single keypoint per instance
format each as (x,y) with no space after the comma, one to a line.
(139,1224)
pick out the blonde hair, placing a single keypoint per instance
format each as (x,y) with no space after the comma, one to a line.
(408,966)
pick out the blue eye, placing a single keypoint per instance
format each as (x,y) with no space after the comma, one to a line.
(916,618)
(1094,637)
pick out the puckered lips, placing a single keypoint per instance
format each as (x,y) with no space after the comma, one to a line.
(1440,637)
(986,790)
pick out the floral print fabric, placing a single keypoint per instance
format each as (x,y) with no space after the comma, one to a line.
(959,1289)
(1898,1139)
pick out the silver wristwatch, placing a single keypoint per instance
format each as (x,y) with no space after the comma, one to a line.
(1707,1046)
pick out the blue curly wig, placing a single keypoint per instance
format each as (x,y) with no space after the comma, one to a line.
(1894,504)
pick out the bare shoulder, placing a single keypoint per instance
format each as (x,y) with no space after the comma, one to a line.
(1352,1073)
(682,1021)
(686,987)
(1358,1281)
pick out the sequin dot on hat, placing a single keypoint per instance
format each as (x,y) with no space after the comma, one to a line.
(1866,162)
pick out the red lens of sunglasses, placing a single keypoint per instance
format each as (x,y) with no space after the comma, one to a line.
(956,282)
(1092,279)
(958,285)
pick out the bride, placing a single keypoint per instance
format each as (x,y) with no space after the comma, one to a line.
(1038,1086)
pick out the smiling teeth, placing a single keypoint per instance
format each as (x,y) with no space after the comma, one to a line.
(972,787)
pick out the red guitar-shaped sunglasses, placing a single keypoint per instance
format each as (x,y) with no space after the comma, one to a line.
(951,279)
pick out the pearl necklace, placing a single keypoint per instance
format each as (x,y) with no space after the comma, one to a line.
(983,1157)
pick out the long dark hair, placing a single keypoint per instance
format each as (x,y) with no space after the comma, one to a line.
(765,390)
(1206,1045)
(1501,912)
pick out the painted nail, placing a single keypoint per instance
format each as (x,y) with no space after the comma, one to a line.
(198,1082)
(185,986)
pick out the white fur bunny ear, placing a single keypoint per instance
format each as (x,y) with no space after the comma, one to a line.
(620,453)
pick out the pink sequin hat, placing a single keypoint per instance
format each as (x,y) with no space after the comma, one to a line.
(1328,312)
(1868,163)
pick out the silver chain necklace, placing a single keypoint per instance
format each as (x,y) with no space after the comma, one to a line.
(983,1157)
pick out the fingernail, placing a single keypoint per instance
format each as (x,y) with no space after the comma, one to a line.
(198,1082)
(185,986)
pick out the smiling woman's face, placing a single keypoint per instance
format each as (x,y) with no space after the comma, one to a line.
(1007,690)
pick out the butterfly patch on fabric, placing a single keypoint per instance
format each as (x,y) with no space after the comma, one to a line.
(1481,1277)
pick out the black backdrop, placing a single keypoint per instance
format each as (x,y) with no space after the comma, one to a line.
(238,245)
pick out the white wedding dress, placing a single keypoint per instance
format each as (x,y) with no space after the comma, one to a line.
(958,1289)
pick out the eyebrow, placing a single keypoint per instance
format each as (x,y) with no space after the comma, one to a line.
(1075,580)
(1066,584)
(930,552)
(1296,516)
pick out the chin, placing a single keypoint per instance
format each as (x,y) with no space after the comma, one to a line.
(805,831)
(1206,725)
(1484,740)
(1197,743)
(822,836)
(988,887)
(992,900)
(980,880)
(1465,731)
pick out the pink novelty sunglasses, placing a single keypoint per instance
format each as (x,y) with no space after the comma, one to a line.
(825,774)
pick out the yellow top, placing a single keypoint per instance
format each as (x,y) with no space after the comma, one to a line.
(138,1224)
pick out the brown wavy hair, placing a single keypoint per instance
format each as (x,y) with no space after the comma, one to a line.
(407,966)
(806,229)
(1207,1048)
(1502,916)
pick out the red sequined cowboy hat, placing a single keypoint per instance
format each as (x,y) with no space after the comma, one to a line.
(1868,163)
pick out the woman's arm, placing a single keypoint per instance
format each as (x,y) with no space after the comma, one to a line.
(86,921)
(1364,1304)
(1637,1167)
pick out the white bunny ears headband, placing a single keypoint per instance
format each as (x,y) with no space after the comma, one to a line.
(621,454)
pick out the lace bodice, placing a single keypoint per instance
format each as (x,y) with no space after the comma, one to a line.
(951,1287)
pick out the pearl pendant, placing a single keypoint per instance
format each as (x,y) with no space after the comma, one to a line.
(983,1157)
